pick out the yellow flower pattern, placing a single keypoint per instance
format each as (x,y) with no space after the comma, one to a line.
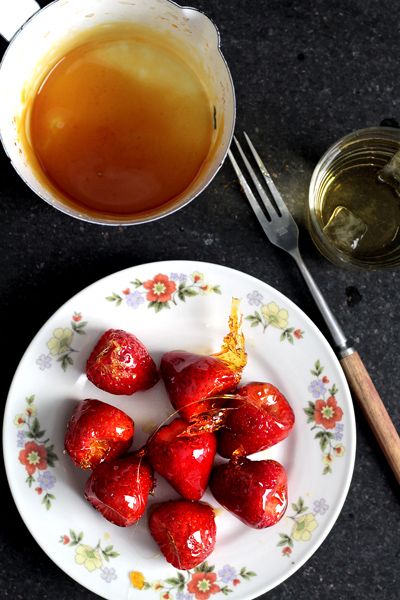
(19,420)
(303,527)
(275,316)
(198,277)
(60,344)
(339,450)
(30,411)
(61,341)
(157,585)
(270,314)
(206,289)
(137,579)
(88,557)
(304,523)
(92,558)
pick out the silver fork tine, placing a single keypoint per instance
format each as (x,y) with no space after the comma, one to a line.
(249,194)
(266,201)
(268,179)
(282,231)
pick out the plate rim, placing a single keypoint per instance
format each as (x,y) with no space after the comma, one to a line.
(351,451)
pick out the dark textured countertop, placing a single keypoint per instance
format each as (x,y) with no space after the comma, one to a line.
(305,73)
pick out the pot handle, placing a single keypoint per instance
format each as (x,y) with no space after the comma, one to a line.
(14,14)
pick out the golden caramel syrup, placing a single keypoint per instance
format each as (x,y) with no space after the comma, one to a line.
(121,124)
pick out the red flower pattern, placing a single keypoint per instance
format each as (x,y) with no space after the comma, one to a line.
(298,334)
(77,317)
(33,456)
(286,551)
(160,288)
(325,379)
(236,581)
(327,413)
(202,585)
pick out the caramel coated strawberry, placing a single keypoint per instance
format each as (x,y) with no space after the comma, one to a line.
(259,417)
(185,531)
(119,490)
(185,460)
(97,432)
(192,380)
(254,491)
(121,364)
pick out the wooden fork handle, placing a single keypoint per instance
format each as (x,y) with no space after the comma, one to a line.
(373,409)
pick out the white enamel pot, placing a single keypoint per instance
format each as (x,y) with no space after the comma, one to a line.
(34,34)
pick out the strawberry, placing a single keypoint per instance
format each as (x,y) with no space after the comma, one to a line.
(261,417)
(97,432)
(191,378)
(121,364)
(185,531)
(184,460)
(254,491)
(120,489)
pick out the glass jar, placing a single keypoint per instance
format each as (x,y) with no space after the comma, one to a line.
(354,219)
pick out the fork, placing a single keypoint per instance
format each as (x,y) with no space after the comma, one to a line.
(282,231)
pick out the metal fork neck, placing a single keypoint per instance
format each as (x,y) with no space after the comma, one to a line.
(343,347)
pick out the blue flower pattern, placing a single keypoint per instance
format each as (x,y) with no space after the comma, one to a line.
(338,433)
(134,299)
(44,362)
(317,388)
(178,277)
(227,573)
(184,596)
(320,506)
(46,480)
(21,437)
(255,298)
(108,574)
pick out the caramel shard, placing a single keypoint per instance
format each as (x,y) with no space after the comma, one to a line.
(233,352)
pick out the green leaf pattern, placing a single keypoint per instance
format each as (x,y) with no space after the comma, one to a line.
(202,581)
(92,558)
(36,453)
(303,523)
(59,346)
(269,315)
(325,416)
(163,291)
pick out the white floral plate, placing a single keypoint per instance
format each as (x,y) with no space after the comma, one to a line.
(169,305)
